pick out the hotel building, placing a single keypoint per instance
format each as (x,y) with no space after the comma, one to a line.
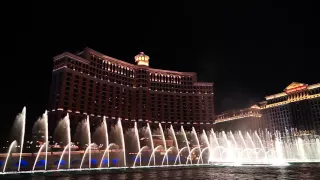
(91,83)
(297,107)
(243,120)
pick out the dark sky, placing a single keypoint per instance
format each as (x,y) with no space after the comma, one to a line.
(249,49)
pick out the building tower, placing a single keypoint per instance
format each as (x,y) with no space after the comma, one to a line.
(142,59)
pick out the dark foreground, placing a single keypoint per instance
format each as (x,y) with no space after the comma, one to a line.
(293,171)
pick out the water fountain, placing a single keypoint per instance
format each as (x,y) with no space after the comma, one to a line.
(235,148)
(84,155)
(14,143)
(139,155)
(164,141)
(107,141)
(38,154)
(136,131)
(89,140)
(22,120)
(64,150)
(186,140)
(175,140)
(151,142)
(153,154)
(123,143)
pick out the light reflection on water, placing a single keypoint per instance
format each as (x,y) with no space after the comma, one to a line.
(297,171)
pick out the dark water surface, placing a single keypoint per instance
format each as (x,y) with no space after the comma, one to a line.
(294,171)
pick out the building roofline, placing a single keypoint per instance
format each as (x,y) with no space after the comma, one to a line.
(275,95)
(67,54)
(238,110)
(313,86)
(136,66)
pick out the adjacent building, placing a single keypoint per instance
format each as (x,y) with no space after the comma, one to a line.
(91,83)
(248,119)
(297,107)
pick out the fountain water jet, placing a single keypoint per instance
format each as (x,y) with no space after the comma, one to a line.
(123,143)
(66,120)
(8,155)
(261,144)
(107,150)
(89,140)
(189,156)
(107,140)
(23,119)
(151,141)
(84,155)
(152,155)
(178,155)
(138,139)
(206,148)
(163,140)
(36,160)
(139,154)
(300,148)
(186,139)
(214,137)
(166,155)
(64,150)
(175,140)
(45,116)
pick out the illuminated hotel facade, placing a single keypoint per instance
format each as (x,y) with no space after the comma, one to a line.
(90,83)
(298,107)
(243,120)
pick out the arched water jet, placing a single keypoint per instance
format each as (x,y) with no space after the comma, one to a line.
(166,155)
(206,148)
(186,139)
(23,121)
(138,139)
(163,140)
(178,155)
(151,141)
(139,154)
(8,155)
(64,150)
(107,150)
(36,160)
(152,155)
(84,155)
(189,156)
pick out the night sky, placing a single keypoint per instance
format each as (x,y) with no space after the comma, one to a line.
(248,49)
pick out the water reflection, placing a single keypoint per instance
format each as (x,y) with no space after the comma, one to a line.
(297,171)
